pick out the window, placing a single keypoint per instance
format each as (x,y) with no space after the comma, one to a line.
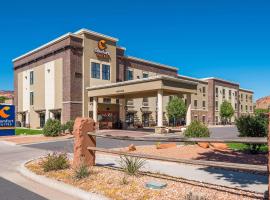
(195,103)
(145,101)
(31,98)
(204,119)
(235,106)
(241,107)
(129,74)
(246,98)
(230,94)
(223,92)
(235,95)
(117,101)
(95,70)
(31,77)
(105,72)
(246,108)
(250,108)
(216,92)
(216,105)
(91,99)
(107,100)
(203,104)
(145,75)
(216,119)
(203,90)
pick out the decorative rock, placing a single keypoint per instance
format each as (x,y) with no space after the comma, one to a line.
(131,147)
(166,146)
(204,145)
(220,146)
(155,185)
(81,141)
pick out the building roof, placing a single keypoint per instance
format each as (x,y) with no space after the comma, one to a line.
(45,45)
(84,30)
(192,79)
(219,79)
(246,90)
(151,62)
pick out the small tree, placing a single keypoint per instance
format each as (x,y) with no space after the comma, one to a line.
(260,111)
(2,99)
(226,111)
(176,109)
(52,128)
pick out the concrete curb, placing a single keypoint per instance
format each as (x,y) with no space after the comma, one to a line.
(57,185)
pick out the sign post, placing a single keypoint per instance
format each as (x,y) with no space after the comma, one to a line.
(7,120)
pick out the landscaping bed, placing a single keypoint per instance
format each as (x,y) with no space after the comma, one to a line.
(118,185)
(198,153)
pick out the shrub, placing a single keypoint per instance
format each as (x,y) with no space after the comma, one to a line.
(82,171)
(131,165)
(52,128)
(197,129)
(252,126)
(64,128)
(70,125)
(55,162)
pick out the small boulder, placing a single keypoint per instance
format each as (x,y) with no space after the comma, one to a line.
(131,147)
(204,145)
(166,146)
(220,146)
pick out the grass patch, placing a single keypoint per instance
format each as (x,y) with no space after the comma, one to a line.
(244,147)
(26,131)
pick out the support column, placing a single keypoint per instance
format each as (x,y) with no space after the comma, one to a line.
(95,102)
(188,115)
(160,108)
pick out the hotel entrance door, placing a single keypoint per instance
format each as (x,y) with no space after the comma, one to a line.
(145,119)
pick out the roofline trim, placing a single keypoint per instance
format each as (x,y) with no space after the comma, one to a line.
(219,79)
(195,79)
(246,90)
(45,45)
(150,62)
(84,30)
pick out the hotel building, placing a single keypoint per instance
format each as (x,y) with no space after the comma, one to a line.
(87,74)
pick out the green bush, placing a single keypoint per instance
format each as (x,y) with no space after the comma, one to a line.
(55,162)
(82,171)
(64,127)
(197,129)
(52,128)
(131,165)
(252,126)
(70,125)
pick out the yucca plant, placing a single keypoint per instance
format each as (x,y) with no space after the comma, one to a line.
(131,165)
(55,161)
(82,171)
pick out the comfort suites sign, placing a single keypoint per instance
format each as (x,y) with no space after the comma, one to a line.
(7,120)
(101,51)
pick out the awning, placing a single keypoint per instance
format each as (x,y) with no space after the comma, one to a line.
(144,87)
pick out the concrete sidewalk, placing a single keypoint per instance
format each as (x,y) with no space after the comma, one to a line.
(245,181)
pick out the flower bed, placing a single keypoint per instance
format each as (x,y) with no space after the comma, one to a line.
(116,184)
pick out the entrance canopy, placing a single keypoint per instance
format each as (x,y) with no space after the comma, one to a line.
(145,87)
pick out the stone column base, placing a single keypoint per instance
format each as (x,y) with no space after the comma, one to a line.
(161,130)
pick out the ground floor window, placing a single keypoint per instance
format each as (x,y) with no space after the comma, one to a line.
(130,119)
(57,116)
(145,119)
(41,120)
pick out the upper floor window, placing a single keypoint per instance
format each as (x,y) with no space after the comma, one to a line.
(216,105)
(230,94)
(95,70)
(223,93)
(203,90)
(145,75)
(216,92)
(203,104)
(31,77)
(246,97)
(195,103)
(31,98)
(105,72)
(129,74)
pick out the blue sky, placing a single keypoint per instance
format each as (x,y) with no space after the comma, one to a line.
(229,39)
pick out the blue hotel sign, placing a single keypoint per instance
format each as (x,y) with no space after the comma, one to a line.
(7,120)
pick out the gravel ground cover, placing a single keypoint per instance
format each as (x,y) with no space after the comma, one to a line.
(198,153)
(116,185)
